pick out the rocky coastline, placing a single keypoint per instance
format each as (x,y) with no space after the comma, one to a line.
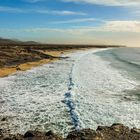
(114,132)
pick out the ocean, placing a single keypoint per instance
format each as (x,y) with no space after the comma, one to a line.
(89,88)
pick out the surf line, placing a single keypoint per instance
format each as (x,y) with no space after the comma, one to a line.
(71,104)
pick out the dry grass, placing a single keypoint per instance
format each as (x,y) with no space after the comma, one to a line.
(26,66)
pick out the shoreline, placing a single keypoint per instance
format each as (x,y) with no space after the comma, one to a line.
(6,71)
(21,56)
(56,55)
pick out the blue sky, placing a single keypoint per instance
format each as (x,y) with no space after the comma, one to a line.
(72,21)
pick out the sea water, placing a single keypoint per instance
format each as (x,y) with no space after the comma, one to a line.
(89,88)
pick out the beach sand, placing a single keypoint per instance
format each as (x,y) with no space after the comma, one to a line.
(5,71)
(21,57)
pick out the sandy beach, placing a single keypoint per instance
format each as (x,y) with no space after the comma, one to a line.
(21,58)
(56,55)
(5,71)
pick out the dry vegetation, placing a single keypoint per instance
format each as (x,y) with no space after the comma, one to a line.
(16,55)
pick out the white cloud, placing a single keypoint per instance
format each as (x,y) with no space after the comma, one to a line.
(34,1)
(122,26)
(108,2)
(11,9)
(100,2)
(50,12)
(63,12)
(114,26)
(108,26)
(78,21)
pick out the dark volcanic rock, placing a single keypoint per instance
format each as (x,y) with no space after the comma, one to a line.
(49,133)
(118,132)
(115,132)
(36,135)
(28,134)
(85,134)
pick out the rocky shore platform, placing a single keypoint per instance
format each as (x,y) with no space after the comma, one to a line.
(114,132)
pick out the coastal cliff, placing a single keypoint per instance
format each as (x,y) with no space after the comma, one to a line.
(114,132)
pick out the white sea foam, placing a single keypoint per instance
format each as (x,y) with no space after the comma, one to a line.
(100,92)
(44,97)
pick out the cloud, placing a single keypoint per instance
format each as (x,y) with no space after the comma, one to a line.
(108,26)
(122,26)
(63,12)
(78,21)
(105,26)
(112,26)
(100,2)
(33,1)
(49,12)
(110,32)
(11,9)
(108,2)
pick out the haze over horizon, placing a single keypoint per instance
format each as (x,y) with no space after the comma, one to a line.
(72,21)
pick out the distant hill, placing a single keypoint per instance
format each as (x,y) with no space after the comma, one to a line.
(44,46)
(7,41)
(4,41)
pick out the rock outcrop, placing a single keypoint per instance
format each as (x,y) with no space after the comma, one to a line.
(114,132)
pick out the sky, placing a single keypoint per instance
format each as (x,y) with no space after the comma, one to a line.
(72,21)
